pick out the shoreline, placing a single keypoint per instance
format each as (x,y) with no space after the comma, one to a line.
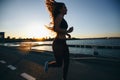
(51,39)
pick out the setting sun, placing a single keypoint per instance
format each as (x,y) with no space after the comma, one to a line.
(38,31)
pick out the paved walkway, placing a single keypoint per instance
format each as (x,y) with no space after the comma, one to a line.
(19,65)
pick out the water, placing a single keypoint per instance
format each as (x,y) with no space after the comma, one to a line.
(78,50)
(111,42)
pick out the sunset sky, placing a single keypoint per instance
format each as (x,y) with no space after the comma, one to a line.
(90,18)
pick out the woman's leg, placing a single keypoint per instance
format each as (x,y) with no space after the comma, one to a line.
(57,63)
(66,63)
(58,54)
(61,51)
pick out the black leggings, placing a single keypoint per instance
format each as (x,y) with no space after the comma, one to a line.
(61,54)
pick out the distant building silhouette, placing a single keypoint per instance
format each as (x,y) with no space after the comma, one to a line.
(2,36)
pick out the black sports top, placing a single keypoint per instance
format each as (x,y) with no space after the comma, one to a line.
(63,24)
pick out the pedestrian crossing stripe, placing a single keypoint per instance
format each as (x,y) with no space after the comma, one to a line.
(2,61)
(11,67)
(27,76)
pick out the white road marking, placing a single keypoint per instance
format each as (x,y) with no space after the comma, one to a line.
(11,67)
(2,61)
(27,76)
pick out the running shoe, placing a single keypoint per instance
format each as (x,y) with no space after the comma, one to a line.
(46,66)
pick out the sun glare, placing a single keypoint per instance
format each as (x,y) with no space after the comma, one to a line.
(37,31)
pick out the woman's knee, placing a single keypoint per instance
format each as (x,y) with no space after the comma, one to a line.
(59,64)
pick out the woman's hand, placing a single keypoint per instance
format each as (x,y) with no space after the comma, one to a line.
(69,36)
(70,30)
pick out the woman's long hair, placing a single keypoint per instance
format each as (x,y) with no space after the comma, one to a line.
(53,8)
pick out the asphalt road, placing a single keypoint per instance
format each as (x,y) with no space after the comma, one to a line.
(29,65)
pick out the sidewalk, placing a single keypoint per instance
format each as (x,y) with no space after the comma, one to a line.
(32,64)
